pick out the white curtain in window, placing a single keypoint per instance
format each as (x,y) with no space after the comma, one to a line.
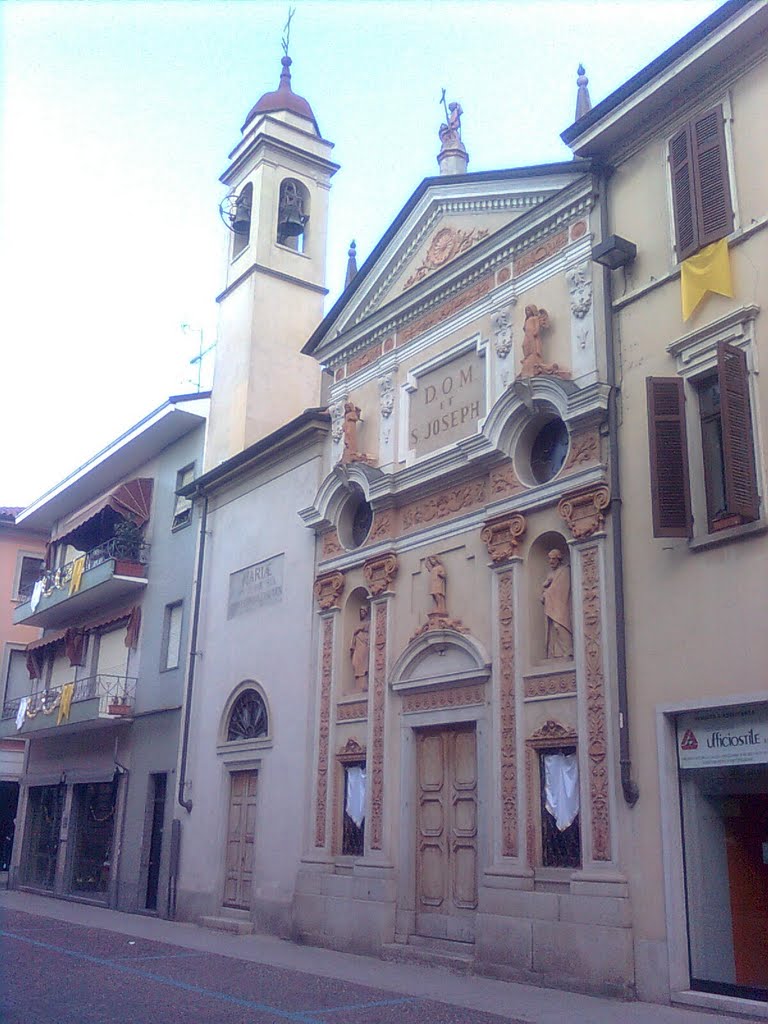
(561,777)
(355,804)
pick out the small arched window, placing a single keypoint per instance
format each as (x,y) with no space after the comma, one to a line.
(293,215)
(241,222)
(248,718)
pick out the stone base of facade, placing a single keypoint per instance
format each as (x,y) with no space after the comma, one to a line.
(354,912)
(268,917)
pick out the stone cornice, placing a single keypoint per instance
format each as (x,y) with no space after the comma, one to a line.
(521,234)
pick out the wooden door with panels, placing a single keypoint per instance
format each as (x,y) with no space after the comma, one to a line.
(446,832)
(241,831)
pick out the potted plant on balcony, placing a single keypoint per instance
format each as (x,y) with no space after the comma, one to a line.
(119,704)
(127,537)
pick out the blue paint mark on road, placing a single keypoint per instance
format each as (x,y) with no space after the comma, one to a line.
(299,1017)
(366,1006)
(162,956)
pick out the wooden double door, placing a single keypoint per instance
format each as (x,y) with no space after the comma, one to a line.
(241,833)
(446,832)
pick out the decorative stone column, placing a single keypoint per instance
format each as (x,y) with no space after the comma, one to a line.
(379,575)
(584,512)
(502,536)
(328,591)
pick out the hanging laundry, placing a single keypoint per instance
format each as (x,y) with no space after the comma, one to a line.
(37,593)
(67,693)
(561,777)
(21,714)
(78,568)
(356,794)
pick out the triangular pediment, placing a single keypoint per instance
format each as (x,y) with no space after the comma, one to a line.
(445,219)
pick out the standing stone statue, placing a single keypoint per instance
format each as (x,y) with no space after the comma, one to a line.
(437,584)
(556,598)
(536,321)
(351,419)
(359,649)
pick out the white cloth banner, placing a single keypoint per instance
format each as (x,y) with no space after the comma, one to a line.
(561,777)
(37,593)
(20,714)
(356,794)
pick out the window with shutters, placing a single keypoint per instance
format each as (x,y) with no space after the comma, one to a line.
(182,512)
(725,463)
(701,190)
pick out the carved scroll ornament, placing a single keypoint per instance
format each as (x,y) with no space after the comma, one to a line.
(328,590)
(380,573)
(584,511)
(502,536)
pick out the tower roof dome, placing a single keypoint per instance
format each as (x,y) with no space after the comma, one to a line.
(283,98)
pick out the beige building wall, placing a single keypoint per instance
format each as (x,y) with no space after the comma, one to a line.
(694,608)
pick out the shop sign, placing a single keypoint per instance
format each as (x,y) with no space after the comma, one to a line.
(256,586)
(711,739)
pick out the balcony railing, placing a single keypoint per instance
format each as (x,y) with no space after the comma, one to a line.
(116,692)
(59,579)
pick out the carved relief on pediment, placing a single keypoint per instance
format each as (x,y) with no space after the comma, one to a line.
(445,245)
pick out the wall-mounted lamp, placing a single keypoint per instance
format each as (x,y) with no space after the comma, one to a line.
(614,252)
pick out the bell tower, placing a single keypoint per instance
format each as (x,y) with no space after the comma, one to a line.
(279,177)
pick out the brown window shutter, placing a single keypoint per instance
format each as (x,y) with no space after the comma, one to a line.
(668,445)
(738,449)
(713,193)
(683,193)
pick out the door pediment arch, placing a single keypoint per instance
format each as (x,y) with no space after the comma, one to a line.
(440,657)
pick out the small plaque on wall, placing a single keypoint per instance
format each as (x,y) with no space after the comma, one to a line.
(255,586)
(447,402)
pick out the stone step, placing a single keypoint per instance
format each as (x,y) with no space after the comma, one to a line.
(451,946)
(456,961)
(235,925)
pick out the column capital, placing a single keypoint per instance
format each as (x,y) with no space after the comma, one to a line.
(584,510)
(502,536)
(380,573)
(328,590)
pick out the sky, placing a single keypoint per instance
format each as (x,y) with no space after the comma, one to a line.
(116,118)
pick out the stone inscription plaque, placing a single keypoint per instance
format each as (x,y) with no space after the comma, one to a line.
(256,586)
(447,403)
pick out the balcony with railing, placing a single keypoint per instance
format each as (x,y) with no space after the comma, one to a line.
(96,700)
(112,570)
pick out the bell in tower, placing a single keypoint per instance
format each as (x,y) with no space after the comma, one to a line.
(292,214)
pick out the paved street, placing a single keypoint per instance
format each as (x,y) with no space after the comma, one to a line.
(63,962)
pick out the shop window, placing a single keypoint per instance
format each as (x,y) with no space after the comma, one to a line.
(701,193)
(727,448)
(182,511)
(46,804)
(353,830)
(94,820)
(248,719)
(171,643)
(559,789)
(723,785)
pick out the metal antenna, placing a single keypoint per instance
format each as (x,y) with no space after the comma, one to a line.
(286,40)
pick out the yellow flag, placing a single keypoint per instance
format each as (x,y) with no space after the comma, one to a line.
(708,270)
(67,693)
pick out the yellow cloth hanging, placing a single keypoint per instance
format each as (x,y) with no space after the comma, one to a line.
(78,567)
(708,270)
(67,693)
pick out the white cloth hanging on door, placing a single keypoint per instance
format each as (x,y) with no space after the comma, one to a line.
(356,794)
(561,779)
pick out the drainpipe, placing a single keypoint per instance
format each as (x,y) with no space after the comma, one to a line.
(628,785)
(187,804)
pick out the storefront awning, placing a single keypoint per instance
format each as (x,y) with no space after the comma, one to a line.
(132,500)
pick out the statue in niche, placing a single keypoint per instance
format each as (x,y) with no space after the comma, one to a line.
(437,585)
(556,598)
(359,649)
(351,419)
(536,321)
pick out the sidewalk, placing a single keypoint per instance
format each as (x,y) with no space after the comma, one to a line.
(507,999)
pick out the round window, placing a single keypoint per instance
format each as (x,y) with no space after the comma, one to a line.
(355,520)
(548,451)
